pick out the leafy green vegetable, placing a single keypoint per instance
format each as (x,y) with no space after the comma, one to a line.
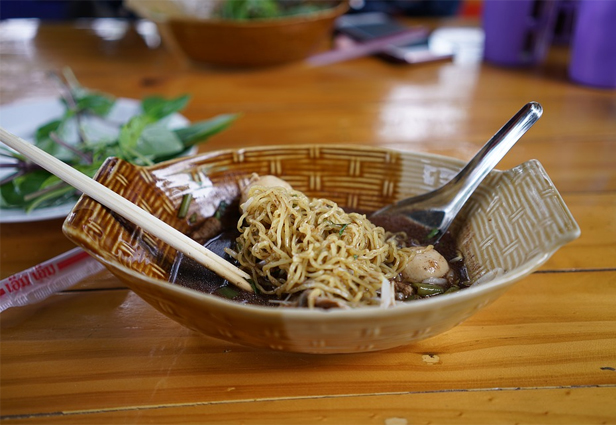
(25,185)
(220,211)
(249,9)
(427,289)
(157,107)
(342,226)
(227,292)
(158,141)
(193,134)
(144,139)
(43,136)
(268,9)
(185,205)
(254,287)
(97,104)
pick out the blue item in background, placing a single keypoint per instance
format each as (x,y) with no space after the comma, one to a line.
(407,7)
(58,10)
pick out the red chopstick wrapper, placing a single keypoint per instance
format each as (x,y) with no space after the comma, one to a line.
(39,282)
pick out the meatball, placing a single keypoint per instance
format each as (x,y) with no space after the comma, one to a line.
(426,263)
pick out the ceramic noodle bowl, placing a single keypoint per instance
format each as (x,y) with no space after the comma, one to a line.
(511,225)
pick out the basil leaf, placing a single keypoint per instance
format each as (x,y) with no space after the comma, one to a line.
(13,192)
(158,107)
(95,103)
(158,141)
(49,181)
(131,131)
(89,169)
(62,129)
(42,138)
(31,182)
(202,130)
(55,197)
(9,196)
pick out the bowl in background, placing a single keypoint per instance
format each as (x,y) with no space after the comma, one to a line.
(511,225)
(243,43)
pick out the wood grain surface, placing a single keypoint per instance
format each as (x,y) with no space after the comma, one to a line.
(543,353)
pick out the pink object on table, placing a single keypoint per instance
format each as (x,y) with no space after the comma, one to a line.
(361,49)
(39,282)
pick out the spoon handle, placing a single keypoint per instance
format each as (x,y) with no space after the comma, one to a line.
(128,210)
(469,178)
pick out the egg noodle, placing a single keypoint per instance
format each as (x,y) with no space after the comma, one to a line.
(291,244)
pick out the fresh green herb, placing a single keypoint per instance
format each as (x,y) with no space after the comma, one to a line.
(433,233)
(342,226)
(185,205)
(267,9)
(427,289)
(220,211)
(143,139)
(158,107)
(200,131)
(193,218)
(254,286)
(227,292)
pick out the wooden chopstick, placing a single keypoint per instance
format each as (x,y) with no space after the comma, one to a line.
(128,210)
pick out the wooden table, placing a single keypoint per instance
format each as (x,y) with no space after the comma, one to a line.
(544,353)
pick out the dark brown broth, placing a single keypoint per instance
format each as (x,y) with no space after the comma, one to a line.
(446,246)
(188,273)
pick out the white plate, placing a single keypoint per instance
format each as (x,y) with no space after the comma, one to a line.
(23,118)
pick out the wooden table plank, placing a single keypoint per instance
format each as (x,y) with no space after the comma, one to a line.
(596,246)
(108,349)
(25,245)
(587,405)
(310,110)
(543,353)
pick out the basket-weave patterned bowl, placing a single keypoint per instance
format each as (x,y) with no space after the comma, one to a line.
(512,224)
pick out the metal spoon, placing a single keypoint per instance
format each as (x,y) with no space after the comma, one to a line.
(435,210)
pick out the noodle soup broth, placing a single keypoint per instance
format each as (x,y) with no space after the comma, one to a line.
(188,273)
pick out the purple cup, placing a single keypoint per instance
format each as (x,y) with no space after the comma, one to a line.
(517,32)
(593,51)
